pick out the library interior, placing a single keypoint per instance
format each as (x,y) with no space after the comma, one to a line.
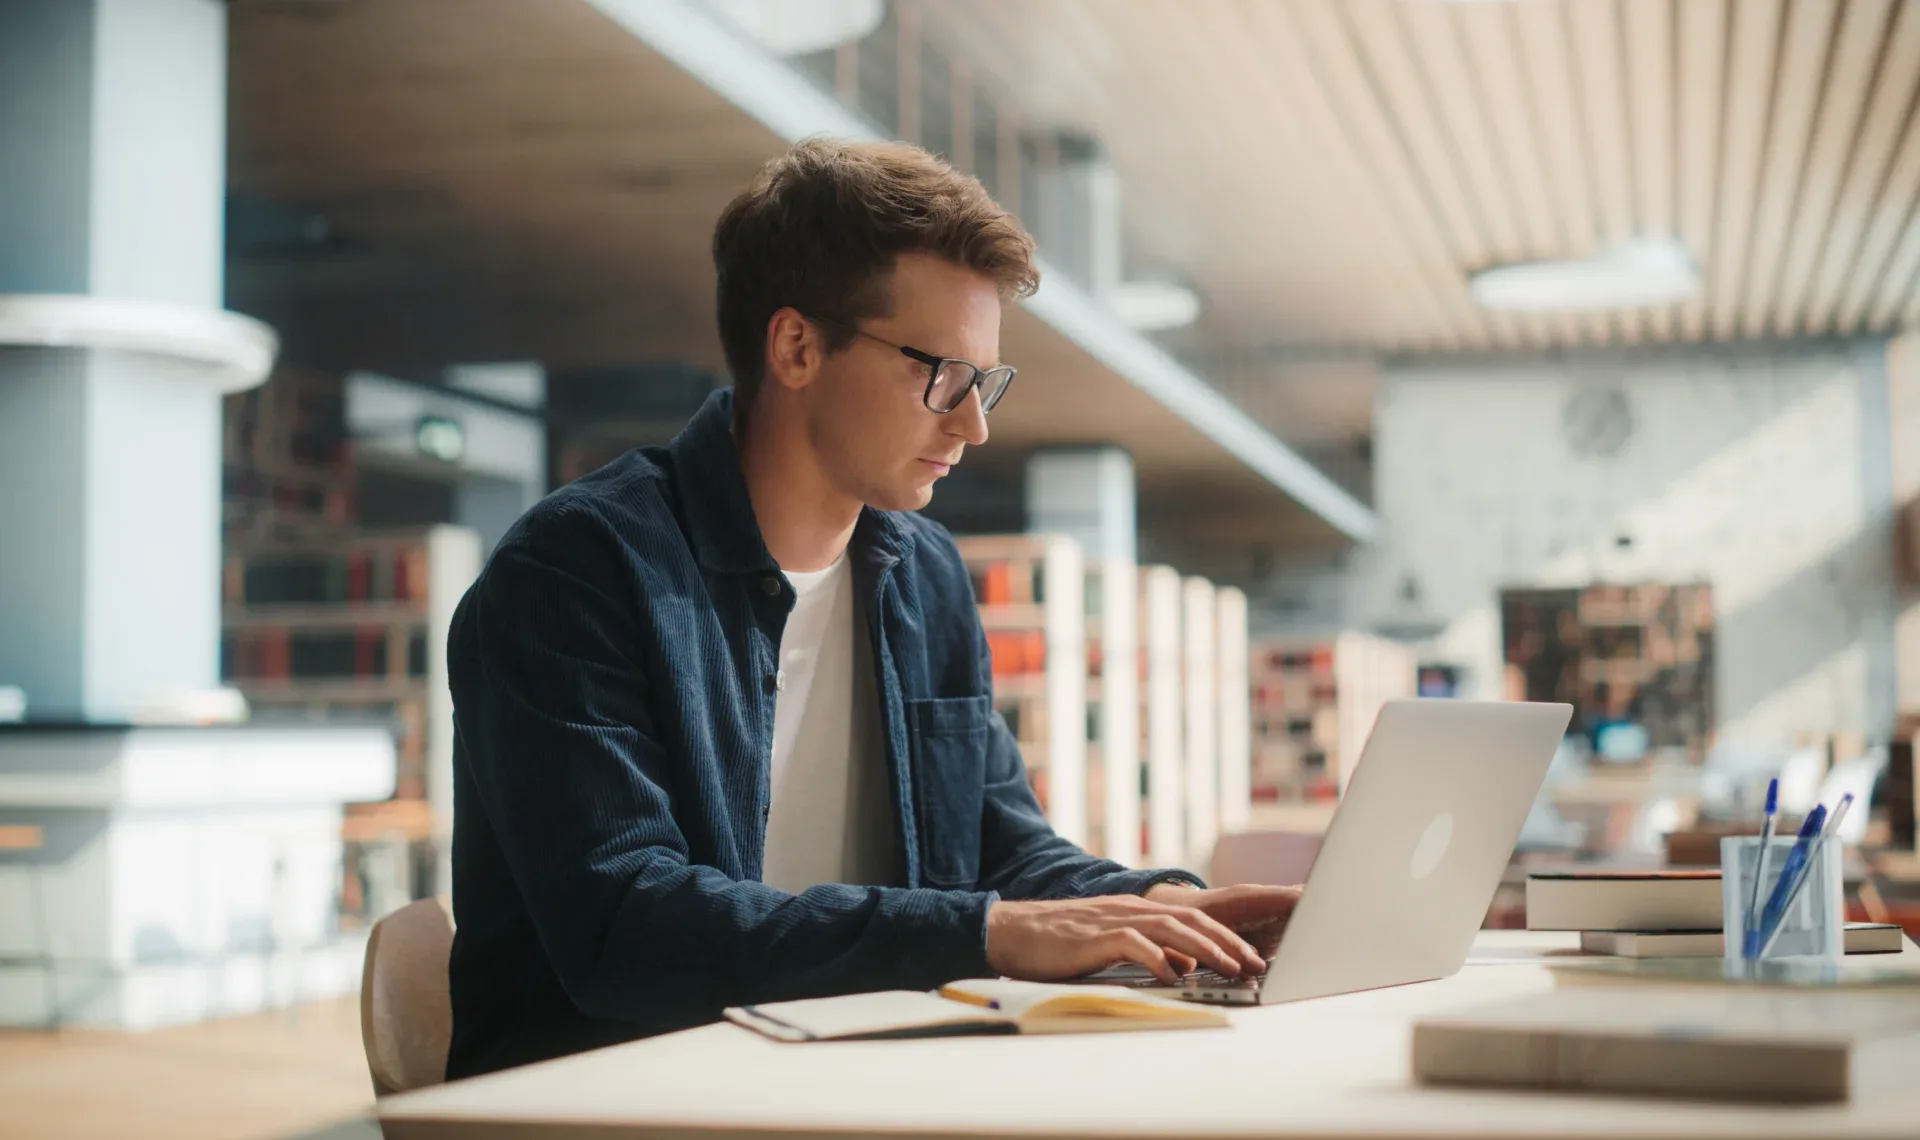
(1464,463)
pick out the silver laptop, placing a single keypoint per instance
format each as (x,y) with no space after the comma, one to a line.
(1414,854)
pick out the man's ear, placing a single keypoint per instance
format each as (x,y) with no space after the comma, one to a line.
(794,349)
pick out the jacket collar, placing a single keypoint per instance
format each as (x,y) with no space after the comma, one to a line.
(719,513)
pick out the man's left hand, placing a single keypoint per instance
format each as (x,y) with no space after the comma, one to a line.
(1254,910)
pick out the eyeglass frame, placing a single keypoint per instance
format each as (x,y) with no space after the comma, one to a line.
(934,365)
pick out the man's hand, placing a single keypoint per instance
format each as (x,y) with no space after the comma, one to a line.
(1052,940)
(1258,912)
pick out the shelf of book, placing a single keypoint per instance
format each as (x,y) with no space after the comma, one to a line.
(1030,590)
(352,627)
(1113,711)
(1162,718)
(1313,703)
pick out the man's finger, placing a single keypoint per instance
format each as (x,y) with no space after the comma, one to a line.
(1168,931)
(1181,962)
(1221,935)
(1134,946)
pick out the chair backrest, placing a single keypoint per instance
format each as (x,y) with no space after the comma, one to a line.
(406,1010)
(1263,857)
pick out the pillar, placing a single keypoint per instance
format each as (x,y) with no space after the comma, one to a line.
(114,352)
(1087,494)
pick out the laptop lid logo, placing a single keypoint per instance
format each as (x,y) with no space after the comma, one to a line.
(1432,846)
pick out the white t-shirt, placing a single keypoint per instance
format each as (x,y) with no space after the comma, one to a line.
(830,819)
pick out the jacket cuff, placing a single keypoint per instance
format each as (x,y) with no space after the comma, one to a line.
(1140,882)
(944,933)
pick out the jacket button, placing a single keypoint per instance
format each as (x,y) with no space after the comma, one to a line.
(779,680)
(770,587)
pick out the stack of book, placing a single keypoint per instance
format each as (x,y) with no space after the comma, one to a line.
(1655,914)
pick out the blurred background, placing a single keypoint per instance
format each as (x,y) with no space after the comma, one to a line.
(1522,349)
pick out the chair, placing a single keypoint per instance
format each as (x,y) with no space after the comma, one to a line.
(406,1010)
(1263,857)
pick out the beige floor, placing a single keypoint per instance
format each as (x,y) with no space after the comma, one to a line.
(265,1077)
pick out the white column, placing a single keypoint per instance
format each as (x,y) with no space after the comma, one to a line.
(1063,577)
(1200,696)
(1236,711)
(1166,815)
(1087,494)
(1120,708)
(114,352)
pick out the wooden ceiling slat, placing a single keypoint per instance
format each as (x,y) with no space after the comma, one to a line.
(1494,50)
(1308,36)
(1756,27)
(1881,132)
(1897,283)
(1391,68)
(1595,27)
(1546,58)
(1436,48)
(1889,217)
(1803,58)
(1650,66)
(1862,32)
(1701,76)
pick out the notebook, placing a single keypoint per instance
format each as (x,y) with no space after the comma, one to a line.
(1624,900)
(1861,938)
(979,1006)
(1740,1045)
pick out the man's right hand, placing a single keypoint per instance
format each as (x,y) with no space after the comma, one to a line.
(1053,940)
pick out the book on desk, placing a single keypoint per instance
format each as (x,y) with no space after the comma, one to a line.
(978,1006)
(1715,1043)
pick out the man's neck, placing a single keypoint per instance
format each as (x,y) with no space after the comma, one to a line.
(805,522)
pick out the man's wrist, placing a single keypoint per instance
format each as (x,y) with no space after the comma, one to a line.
(1177,879)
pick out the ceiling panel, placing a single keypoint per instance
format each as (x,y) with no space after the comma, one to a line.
(1329,172)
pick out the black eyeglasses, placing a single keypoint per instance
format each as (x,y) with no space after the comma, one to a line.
(949,378)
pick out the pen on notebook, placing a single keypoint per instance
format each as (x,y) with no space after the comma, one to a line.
(1749,933)
(1791,873)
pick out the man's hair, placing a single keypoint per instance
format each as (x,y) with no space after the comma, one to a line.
(820,227)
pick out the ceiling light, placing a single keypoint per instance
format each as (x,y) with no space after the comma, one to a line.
(1154,306)
(797,27)
(1634,274)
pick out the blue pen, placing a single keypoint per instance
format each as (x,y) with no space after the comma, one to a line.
(1828,832)
(1749,935)
(1785,888)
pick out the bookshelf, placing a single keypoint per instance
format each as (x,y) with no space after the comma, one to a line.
(1199,693)
(1313,703)
(354,628)
(1030,590)
(1162,717)
(1236,710)
(1113,666)
(286,458)
(1639,653)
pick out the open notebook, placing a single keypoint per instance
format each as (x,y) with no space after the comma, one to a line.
(968,1007)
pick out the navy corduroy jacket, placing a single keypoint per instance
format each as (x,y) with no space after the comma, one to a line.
(613,689)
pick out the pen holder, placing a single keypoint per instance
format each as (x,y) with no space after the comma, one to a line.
(1813,925)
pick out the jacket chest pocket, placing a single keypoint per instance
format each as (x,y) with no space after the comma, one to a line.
(949,740)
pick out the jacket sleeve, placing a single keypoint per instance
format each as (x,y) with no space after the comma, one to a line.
(1021,856)
(551,697)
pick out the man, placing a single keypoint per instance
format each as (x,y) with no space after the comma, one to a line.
(724,727)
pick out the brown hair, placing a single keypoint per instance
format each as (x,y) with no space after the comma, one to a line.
(819,229)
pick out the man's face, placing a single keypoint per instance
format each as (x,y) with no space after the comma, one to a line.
(867,419)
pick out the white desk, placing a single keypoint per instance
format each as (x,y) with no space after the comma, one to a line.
(1335,1067)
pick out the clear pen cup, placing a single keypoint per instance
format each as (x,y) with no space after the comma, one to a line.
(1814,924)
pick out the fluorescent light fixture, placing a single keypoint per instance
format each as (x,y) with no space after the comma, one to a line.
(798,27)
(1632,275)
(1154,306)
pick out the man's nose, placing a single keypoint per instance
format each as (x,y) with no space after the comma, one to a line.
(969,420)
